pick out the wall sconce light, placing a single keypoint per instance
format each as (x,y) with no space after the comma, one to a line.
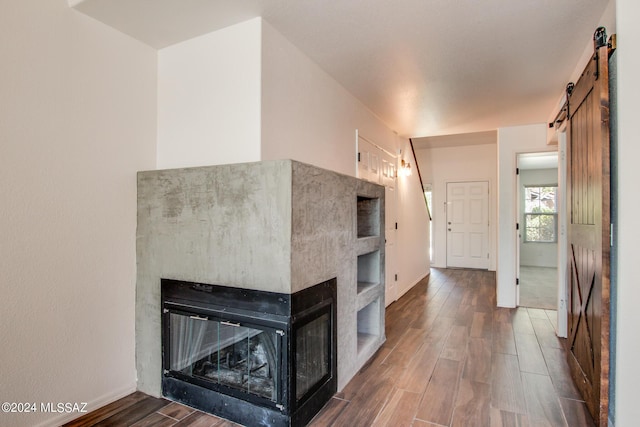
(405,168)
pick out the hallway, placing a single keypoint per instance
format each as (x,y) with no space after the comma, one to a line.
(453,359)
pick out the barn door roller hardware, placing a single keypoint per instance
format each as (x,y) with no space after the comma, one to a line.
(599,40)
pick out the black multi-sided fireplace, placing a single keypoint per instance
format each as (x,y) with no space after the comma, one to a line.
(257,358)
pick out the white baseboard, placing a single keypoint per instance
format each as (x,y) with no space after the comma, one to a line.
(92,405)
(412,284)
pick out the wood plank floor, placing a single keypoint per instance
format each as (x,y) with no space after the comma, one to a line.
(451,359)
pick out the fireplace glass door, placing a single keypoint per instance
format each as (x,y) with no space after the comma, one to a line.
(229,354)
(313,354)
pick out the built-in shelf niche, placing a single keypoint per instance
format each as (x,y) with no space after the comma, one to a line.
(368,271)
(370,276)
(368,216)
(369,325)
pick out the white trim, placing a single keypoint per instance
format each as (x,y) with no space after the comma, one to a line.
(413,283)
(92,405)
(562,236)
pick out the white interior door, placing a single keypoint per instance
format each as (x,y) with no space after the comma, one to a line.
(468,224)
(388,178)
(368,161)
(379,166)
(390,290)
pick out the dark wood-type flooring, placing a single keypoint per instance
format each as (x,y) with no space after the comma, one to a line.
(451,359)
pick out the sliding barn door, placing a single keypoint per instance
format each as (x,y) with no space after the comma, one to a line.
(589,232)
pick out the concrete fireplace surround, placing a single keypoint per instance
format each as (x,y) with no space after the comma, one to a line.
(279,226)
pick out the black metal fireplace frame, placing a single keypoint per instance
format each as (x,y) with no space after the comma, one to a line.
(284,313)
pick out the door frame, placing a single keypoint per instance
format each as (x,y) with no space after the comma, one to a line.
(561,298)
(563,278)
(518,229)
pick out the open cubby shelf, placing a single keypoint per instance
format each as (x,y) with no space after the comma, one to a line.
(363,287)
(370,275)
(369,271)
(365,341)
(369,324)
(368,211)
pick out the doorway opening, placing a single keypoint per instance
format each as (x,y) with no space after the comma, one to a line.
(540,232)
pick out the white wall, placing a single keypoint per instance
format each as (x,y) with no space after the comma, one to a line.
(458,164)
(536,254)
(209,98)
(511,142)
(307,115)
(413,228)
(77,120)
(245,93)
(627,410)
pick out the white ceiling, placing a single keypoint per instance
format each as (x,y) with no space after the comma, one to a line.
(457,140)
(424,67)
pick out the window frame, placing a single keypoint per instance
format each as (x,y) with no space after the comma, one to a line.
(553,215)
